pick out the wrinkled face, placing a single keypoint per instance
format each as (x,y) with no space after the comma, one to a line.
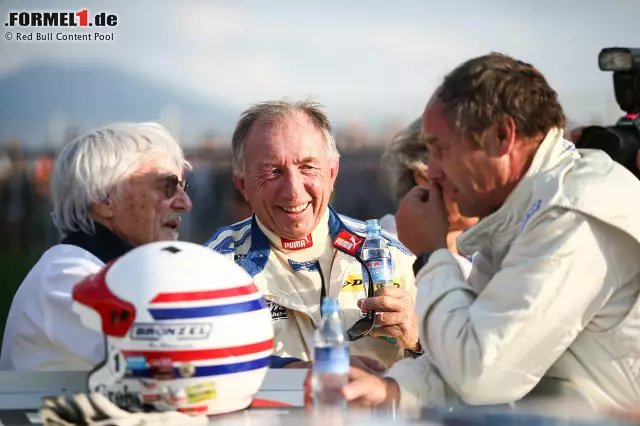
(141,212)
(468,175)
(288,175)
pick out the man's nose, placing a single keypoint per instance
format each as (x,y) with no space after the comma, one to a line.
(181,201)
(293,185)
(434,171)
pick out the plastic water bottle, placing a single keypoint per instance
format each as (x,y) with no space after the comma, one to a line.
(330,370)
(377,256)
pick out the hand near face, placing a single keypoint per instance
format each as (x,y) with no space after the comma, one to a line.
(422,220)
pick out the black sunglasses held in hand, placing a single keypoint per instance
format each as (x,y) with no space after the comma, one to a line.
(172,183)
(363,326)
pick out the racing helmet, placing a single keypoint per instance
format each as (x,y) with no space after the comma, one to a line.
(185,329)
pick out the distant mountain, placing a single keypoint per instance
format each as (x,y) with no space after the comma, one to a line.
(83,97)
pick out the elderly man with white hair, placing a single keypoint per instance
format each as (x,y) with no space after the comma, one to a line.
(113,189)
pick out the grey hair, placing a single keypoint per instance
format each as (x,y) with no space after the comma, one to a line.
(406,153)
(273,111)
(88,168)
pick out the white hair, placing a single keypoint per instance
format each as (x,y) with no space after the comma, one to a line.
(277,110)
(98,162)
(407,153)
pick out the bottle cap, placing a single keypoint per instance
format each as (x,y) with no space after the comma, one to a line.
(373,225)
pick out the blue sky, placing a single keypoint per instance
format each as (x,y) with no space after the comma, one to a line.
(367,60)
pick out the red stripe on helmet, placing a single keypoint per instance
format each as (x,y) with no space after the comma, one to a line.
(191,296)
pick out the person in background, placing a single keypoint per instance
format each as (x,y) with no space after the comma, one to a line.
(296,247)
(406,161)
(113,189)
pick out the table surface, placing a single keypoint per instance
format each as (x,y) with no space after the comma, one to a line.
(298,417)
(21,396)
(254,415)
(21,393)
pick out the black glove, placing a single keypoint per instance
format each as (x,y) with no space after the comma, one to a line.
(96,409)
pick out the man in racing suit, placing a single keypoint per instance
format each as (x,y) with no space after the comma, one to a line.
(553,293)
(296,247)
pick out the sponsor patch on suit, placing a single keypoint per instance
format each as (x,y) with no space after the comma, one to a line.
(278,312)
(353,283)
(309,265)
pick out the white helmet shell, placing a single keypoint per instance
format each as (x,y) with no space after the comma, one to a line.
(185,329)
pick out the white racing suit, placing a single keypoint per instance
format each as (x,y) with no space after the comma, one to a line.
(286,272)
(553,292)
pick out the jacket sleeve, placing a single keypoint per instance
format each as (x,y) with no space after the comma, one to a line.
(494,346)
(59,323)
(464,264)
(419,382)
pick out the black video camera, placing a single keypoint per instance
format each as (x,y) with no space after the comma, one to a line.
(621,141)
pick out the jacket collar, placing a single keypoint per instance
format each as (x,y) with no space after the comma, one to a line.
(104,244)
(258,255)
(502,226)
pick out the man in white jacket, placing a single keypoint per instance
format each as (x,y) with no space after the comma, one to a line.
(553,294)
(113,189)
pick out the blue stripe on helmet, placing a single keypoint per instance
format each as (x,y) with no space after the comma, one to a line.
(207,311)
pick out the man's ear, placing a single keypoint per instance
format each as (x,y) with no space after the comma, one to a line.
(334,167)
(103,209)
(504,137)
(239,183)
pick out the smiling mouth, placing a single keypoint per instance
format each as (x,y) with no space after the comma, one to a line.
(296,209)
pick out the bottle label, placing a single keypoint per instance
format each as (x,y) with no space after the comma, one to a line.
(331,360)
(381,271)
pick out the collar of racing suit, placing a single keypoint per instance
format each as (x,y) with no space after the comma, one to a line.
(505,222)
(104,244)
(316,242)
(257,258)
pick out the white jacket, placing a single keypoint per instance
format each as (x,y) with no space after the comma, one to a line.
(42,332)
(388,224)
(292,283)
(553,292)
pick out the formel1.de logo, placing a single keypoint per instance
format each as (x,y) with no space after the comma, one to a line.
(81,18)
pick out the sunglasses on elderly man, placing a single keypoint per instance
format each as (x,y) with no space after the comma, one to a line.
(172,183)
